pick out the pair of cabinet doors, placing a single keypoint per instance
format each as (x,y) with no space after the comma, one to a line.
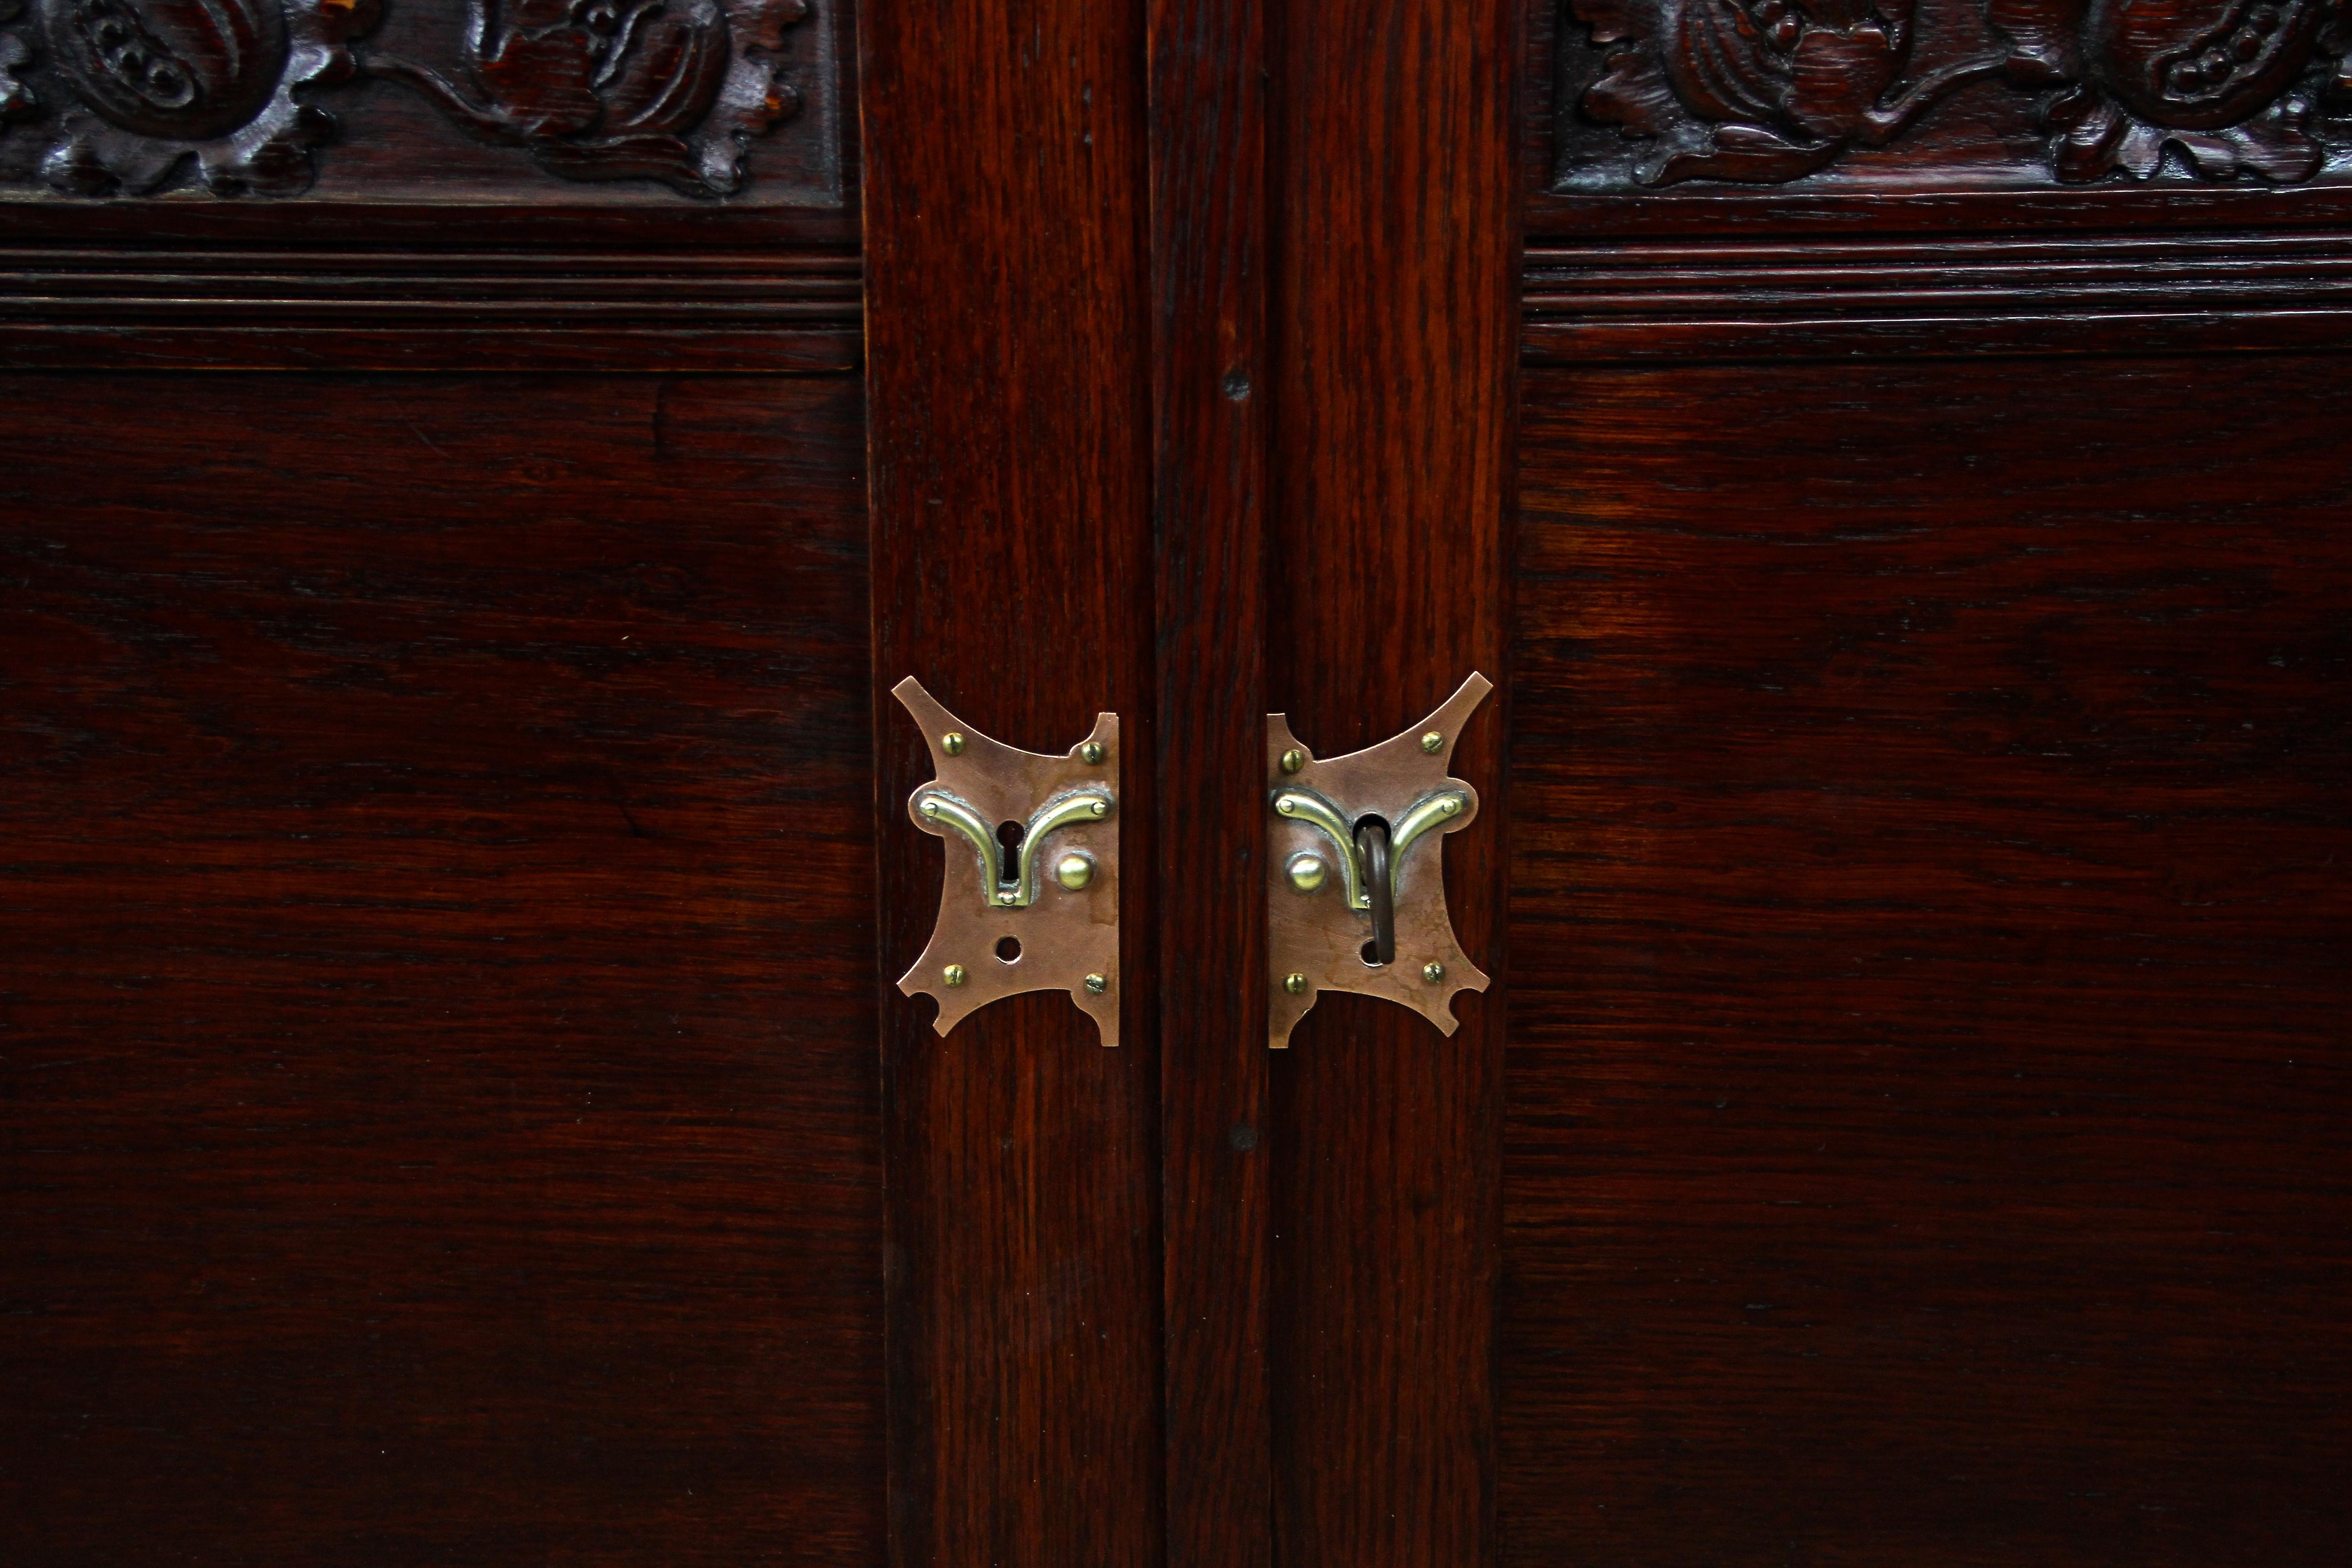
(475,473)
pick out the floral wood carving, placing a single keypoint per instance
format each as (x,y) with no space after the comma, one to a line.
(17,101)
(135,90)
(1769,90)
(103,98)
(621,89)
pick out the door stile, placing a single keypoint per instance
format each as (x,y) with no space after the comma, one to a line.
(1210,426)
(1008,415)
(1395,305)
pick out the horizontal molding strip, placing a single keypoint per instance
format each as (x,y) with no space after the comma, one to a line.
(2075,294)
(421,309)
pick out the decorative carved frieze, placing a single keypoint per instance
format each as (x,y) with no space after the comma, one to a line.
(247,96)
(129,94)
(621,89)
(2017,91)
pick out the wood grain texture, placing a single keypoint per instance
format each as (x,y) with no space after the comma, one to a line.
(1938,95)
(1827,296)
(438,1111)
(1729,212)
(1210,379)
(1394,282)
(1008,329)
(295,306)
(432,100)
(1927,1085)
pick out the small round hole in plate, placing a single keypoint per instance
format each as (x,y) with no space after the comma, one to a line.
(1371,955)
(1008,949)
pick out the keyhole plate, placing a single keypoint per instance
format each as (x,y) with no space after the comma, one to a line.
(1315,941)
(1066,936)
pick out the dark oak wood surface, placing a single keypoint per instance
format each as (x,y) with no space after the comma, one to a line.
(456,825)
(282,303)
(1009,329)
(1211,425)
(1393,283)
(526,104)
(435,973)
(1650,98)
(1930,961)
(2158,289)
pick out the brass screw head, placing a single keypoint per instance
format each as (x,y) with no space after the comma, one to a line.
(1295,984)
(952,743)
(1091,752)
(1073,872)
(1433,742)
(1308,872)
(1432,972)
(1097,808)
(952,975)
(1097,985)
(1293,760)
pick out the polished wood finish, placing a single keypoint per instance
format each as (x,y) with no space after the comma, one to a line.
(437,980)
(1008,330)
(2159,289)
(458,1105)
(1923,1142)
(1395,264)
(1211,423)
(352,102)
(1937,94)
(1926,1112)
(747,307)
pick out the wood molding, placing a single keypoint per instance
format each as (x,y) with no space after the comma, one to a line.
(414,309)
(2059,293)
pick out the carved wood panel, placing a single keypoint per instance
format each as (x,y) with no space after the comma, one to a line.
(520,101)
(1874,94)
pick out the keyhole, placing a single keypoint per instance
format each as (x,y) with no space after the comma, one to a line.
(1382,887)
(1010,833)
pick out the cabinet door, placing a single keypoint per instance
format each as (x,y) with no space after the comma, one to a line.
(438,981)
(455,827)
(1908,1123)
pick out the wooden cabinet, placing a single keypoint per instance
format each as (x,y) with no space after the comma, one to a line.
(478,471)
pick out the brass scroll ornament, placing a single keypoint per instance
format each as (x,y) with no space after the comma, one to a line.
(1030,900)
(1379,815)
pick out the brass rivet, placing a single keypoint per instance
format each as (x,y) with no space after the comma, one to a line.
(1433,742)
(1073,872)
(1097,808)
(1295,984)
(1098,984)
(952,743)
(1449,806)
(1432,972)
(1005,899)
(1287,804)
(1293,760)
(953,975)
(930,808)
(1092,751)
(1306,872)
